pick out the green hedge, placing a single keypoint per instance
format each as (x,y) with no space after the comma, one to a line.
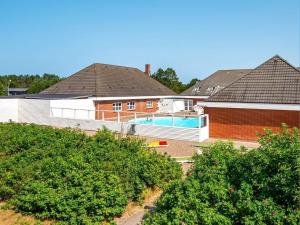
(65,175)
(231,186)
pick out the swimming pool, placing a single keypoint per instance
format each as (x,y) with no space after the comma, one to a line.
(168,121)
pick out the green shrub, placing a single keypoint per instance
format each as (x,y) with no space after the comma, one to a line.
(65,175)
(231,186)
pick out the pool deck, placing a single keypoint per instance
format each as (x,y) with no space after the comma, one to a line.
(178,148)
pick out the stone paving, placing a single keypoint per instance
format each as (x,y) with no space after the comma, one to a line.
(178,148)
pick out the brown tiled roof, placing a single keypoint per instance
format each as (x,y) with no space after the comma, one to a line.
(102,80)
(215,82)
(275,82)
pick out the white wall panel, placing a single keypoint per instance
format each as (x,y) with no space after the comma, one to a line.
(8,110)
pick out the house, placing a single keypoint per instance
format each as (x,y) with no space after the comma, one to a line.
(110,90)
(265,97)
(17,91)
(122,99)
(203,89)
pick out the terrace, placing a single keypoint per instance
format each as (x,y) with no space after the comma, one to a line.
(179,126)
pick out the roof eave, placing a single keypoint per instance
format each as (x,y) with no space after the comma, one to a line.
(239,105)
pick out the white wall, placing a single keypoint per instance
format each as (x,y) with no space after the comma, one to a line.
(165,105)
(38,111)
(34,111)
(9,110)
(178,105)
(85,108)
(171,105)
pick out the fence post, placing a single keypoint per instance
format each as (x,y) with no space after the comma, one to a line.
(200,134)
(152,118)
(103,116)
(134,116)
(88,114)
(118,117)
(62,112)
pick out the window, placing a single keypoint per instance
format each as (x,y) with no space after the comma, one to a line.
(188,105)
(117,106)
(149,104)
(131,105)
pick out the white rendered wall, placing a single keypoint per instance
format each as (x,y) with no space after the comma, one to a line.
(168,105)
(165,105)
(8,110)
(38,111)
(34,111)
(178,105)
(73,108)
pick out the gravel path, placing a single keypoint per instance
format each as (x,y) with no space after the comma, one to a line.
(134,213)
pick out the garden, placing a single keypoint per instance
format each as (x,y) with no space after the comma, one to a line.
(237,186)
(71,178)
(68,177)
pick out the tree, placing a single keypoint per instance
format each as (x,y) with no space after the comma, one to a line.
(169,78)
(42,83)
(191,83)
(35,83)
(2,89)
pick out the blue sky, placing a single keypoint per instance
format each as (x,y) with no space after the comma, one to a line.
(194,37)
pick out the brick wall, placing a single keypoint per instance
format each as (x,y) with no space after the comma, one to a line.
(245,123)
(140,106)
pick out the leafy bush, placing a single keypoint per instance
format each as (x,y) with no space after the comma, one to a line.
(68,176)
(231,186)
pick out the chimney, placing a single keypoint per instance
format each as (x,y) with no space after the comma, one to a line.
(147,69)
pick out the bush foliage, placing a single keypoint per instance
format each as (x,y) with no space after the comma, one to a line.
(65,175)
(231,186)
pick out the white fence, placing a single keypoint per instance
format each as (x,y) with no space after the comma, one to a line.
(125,122)
(39,112)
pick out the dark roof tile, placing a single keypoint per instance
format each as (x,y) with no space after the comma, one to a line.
(102,80)
(215,82)
(275,81)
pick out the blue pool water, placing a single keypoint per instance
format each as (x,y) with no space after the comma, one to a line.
(167,121)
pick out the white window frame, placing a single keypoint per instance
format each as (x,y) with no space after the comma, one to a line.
(117,106)
(131,105)
(188,105)
(149,104)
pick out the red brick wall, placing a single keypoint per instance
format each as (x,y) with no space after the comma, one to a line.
(245,123)
(140,106)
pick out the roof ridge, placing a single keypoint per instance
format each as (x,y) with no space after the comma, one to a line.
(294,67)
(106,64)
(232,69)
